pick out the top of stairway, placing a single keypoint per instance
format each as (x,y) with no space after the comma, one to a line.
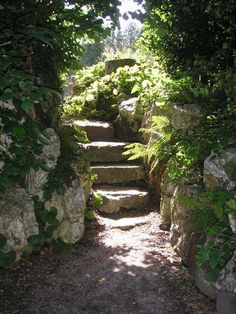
(84,123)
(96,130)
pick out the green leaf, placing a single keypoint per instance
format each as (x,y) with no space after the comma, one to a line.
(7,94)
(3,241)
(89,214)
(97,200)
(219,211)
(231,206)
(19,131)
(60,245)
(7,259)
(36,241)
(27,105)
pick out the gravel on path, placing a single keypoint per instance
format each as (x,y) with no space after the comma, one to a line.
(124,265)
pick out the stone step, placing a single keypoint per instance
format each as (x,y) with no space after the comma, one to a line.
(106,151)
(116,198)
(96,130)
(117,173)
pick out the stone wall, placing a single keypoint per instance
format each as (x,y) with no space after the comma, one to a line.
(17,213)
(178,217)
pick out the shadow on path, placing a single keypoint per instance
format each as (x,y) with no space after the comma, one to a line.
(110,271)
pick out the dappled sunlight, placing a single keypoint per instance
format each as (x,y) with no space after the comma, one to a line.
(112,271)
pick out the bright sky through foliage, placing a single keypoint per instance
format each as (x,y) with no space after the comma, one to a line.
(128,5)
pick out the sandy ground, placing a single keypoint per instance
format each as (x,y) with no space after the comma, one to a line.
(124,264)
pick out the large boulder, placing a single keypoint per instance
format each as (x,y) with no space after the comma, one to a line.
(35,180)
(70,212)
(83,172)
(17,220)
(183,235)
(128,123)
(167,191)
(226,288)
(154,110)
(186,116)
(204,285)
(220,170)
(113,65)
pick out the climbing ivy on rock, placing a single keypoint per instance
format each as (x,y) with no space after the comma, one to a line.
(38,41)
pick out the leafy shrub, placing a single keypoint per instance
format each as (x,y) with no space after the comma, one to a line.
(97,96)
(211,211)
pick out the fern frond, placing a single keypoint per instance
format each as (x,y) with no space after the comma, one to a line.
(136,150)
(160,122)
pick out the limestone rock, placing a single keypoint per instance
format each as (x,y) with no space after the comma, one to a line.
(227,278)
(35,180)
(155,110)
(70,212)
(116,198)
(205,286)
(220,169)
(113,65)
(167,191)
(17,219)
(127,109)
(127,124)
(83,172)
(165,211)
(232,222)
(226,288)
(186,116)
(182,231)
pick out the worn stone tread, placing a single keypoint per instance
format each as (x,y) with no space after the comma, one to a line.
(116,198)
(96,130)
(106,151)
(118,173)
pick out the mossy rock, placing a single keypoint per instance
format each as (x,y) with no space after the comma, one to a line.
(113,65)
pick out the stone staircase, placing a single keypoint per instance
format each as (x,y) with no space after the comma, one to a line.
(120,182)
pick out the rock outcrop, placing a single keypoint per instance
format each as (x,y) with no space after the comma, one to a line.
(183,233)
(17,214)
(70,212)
(35,180)
(226,288)
(220,170)
(113,65)
(168,189)
(128,123)
(17,220)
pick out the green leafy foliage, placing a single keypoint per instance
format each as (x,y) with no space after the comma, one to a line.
(89,214)
(96,95)
(3,241)
(7,259)
(97,200)
(211,216)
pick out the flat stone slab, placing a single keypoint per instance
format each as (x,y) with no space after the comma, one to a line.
(96,130)
(106,151)
(118,173)
(116,198)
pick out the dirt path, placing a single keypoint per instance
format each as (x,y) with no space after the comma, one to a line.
(123,265)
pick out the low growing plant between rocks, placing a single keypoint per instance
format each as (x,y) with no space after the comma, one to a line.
(211,217)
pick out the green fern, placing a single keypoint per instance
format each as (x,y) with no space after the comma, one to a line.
(136,150)
(154,150)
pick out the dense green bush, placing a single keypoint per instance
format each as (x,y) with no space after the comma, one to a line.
(183,33)
(97,96)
